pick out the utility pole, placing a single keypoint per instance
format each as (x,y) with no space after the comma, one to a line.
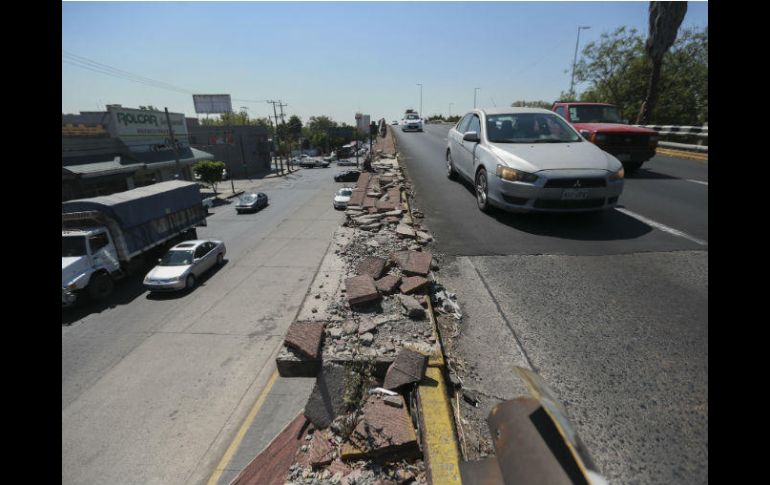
(283,122)
(173,144)
(574,61)
(421,113)
(276,138)
(227,148)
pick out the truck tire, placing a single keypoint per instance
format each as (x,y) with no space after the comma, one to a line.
(100,287)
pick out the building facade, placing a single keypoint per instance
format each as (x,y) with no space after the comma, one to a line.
(245,150)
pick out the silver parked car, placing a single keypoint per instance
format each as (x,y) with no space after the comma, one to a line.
(251,202)
(531,160)
(184,264)
(342,197)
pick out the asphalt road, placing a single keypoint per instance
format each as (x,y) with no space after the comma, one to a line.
(154,387)
(611,309)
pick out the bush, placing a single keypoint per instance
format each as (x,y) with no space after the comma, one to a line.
(210,172)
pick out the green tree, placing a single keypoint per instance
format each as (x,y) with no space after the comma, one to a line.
(532,104)
(294,128)
(665,19)
(210,172)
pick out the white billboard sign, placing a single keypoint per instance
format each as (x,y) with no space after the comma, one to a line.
(144,131)
(212,103)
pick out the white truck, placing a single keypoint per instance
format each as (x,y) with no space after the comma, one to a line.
(106,238)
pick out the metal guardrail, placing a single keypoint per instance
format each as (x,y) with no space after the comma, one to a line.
(701,132)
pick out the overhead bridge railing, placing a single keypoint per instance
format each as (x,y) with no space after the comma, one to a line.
(699,133)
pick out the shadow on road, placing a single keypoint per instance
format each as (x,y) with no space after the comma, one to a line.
(587,226)
(646,174)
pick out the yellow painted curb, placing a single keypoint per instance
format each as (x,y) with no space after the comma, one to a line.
(442,455)
(682,154)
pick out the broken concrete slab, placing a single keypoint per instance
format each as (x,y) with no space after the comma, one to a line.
(322,448)
(326,401)
(360,289)
(414,309)
(403,230)
(395,401)
(409,367)
(372,266)
(357,198)
(291,363)
(413,283)
(305,338)
(413,262)
(387,284)
(271,465)
(383,432)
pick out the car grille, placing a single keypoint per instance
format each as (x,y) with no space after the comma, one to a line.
(569,204)
(569,183)
(626,140)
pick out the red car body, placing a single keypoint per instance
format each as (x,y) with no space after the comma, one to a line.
(631,145)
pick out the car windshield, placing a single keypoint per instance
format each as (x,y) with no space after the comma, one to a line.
(529,128)
(73,246)
(345,192)
(177,258)
(412,117)
(248,199)
(594,114)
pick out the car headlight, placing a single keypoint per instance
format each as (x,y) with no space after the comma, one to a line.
(618,175)
(513,175)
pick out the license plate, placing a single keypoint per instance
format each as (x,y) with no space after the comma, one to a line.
(574,194)
(623,157)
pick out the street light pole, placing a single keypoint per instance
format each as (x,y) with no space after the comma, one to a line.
(474,97)
(574,60)
(421,113)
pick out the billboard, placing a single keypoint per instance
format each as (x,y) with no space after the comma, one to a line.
(212,103)
(147,131)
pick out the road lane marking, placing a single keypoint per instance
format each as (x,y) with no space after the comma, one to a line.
(662,227)
(698,182)
(242,431)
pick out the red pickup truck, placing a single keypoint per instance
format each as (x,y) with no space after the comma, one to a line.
(600,123)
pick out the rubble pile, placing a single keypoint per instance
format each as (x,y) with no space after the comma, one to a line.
(375,339)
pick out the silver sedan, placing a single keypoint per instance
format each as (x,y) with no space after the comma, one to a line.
(531,160)
(184,264)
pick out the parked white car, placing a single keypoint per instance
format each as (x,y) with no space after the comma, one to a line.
(531,160)
(184,264)
(342,197)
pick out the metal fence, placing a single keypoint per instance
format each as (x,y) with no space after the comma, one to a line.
(699,133)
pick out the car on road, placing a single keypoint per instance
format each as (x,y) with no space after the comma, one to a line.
(342,197)
(346,162)
(321,163)
(251,202)
(601,124)
(531,160)
(184,264)
(347,176)
(411,122)
(394,122)
(307,163)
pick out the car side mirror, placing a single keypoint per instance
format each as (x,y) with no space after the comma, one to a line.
(471,136)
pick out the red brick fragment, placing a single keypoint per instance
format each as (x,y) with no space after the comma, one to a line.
(305,338)
(413,283)
(371,265)
(360,289)
(413,262)
(321,449)
(384,431)
(409,367)
(387,284)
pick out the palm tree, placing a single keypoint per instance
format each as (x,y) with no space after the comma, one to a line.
(665,19)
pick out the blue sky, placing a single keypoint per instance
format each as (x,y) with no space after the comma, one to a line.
(335,58)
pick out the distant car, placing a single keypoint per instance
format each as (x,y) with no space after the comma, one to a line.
(347,176)
(346,162)
(251,202)
(321,163)
(307,163)
(208,202)
(184,264)
(531,160)
(411,122)
(342,197)
(394,122)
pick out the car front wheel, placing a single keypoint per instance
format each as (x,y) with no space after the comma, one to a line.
(190,283)
(451,173)
(482,190)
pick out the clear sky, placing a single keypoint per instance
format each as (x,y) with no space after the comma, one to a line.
(334,58)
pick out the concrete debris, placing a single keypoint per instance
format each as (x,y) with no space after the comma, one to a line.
(387,284)
(413,308)
(326,401)
(408,368)
(367,338)
(305,338)
(412,284)
(413,262)
(360,289)
(405,231)
(395,401)
(384,431)
(382,390)
(322,448)
(372,266)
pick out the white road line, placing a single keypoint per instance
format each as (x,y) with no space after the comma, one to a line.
(662,227)
(698,182)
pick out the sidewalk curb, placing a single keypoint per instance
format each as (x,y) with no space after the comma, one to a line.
(703,157)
